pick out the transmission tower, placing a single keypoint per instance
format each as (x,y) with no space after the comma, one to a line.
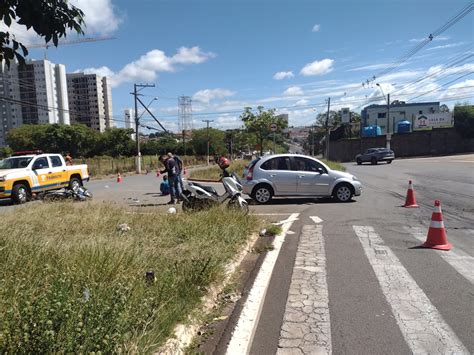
(185,112)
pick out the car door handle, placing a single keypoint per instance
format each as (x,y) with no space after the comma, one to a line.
(301,176)
(50,172)
(64,170)
(273,175)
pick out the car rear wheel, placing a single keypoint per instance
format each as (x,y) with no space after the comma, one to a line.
(374,161)
(262,194)
(359,162)
(343,193)
(389,162)
(20,193)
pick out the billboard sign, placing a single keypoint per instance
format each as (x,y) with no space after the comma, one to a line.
(433,120)
(345,115)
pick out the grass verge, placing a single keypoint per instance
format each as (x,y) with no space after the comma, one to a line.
(73,283)
(334,165)
(213,172)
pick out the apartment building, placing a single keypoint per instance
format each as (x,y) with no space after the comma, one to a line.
(35,93)
(130,120)
(90,100)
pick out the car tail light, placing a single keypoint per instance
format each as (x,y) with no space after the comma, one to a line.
(250,174)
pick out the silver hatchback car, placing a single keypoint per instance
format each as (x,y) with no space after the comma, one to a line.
(297,175)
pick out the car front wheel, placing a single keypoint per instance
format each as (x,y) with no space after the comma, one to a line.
(359,162)
(343,193)
(389,162)
(374,161)
(262,194)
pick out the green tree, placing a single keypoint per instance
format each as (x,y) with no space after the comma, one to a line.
(116,142)
(217,144)
(50,19)
(464,120)
(159,146)
(5,152)
(259,123)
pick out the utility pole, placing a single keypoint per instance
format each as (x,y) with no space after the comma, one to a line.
(312,140)
(207,122)
(138,161)
(388,121)
(327,129)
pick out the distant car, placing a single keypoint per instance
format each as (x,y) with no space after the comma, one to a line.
(374,155)
(296,175)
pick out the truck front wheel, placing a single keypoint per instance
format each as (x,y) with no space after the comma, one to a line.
(20,193)
(75,183)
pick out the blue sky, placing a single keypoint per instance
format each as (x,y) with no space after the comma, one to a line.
(285,54)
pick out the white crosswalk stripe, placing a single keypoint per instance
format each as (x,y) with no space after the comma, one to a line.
(422,326)
(458,259)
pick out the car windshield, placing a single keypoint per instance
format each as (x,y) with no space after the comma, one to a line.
(15,163)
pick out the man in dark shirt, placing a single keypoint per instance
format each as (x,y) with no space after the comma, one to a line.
(171,168)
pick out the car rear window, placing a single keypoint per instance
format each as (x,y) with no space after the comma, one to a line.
(252,163)
(280,163)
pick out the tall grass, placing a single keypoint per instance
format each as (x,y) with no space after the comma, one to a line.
(72,283)
(213,172)
(106,165)
(334,165)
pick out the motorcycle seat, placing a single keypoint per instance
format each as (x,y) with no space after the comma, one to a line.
(209,189)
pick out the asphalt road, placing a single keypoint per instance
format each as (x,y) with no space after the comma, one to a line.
(361,318)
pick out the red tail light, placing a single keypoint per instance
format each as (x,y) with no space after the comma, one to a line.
(250,174)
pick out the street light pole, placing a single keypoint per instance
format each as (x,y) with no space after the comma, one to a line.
(327,130)
(207,122)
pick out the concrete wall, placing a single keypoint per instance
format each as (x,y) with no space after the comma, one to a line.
(436,142)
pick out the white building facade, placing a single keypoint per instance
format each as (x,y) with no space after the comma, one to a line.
(90,100)
(398,111)
(35,93)
(130,119)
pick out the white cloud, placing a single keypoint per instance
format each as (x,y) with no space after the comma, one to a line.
(316,27)
(102,71)
(301,102)
(283,75)
(191,55)
(318,67)
(465,88)
(293,91)
(205,96)
(451,45)
(21,34)
(150,64)
(99,16)
(370,67)
(439,38)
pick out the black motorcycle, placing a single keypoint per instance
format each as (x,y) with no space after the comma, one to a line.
(78,194)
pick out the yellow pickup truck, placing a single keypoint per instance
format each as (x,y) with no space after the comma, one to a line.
(23,175)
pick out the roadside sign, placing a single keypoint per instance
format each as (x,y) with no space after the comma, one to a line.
(273,127)
(433,120)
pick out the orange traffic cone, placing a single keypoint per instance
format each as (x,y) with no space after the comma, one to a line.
(410,201)
(119,178)
(437,238)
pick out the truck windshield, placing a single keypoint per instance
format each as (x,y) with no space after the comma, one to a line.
(15,163)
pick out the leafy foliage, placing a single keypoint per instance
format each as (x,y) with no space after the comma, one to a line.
(464,120)
(77,139)
(216,142)
(260,121)
(50,19)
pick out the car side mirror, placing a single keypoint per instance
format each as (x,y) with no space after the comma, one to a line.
(321,171)
(39,166)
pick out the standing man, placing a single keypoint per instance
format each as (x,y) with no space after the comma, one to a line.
(179,162)
(171,168)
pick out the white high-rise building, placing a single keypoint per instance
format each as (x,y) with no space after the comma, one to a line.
(90,100)
(35,93)
(130,119)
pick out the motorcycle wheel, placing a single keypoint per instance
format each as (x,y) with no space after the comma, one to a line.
(235,205)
